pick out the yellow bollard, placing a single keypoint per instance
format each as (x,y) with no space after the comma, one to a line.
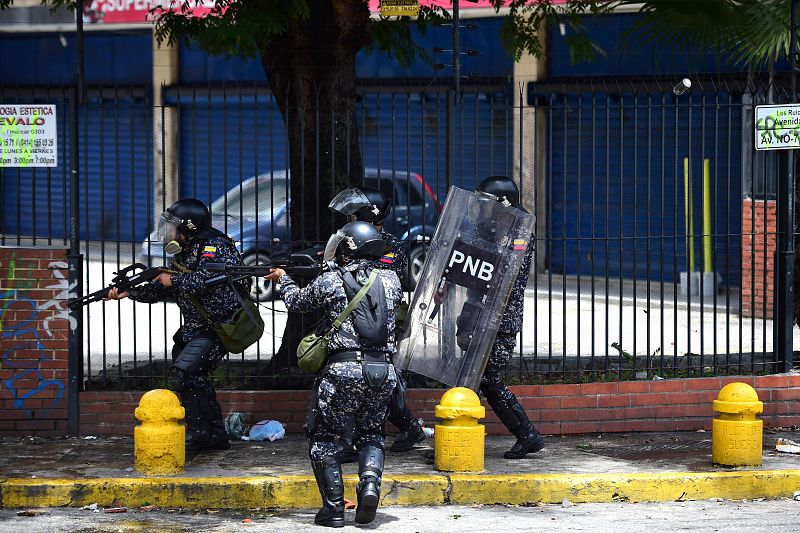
(736,435)
(458,442)
(159,443)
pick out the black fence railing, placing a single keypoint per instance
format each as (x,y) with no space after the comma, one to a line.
(656,227)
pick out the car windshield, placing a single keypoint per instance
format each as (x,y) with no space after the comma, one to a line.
(243,201)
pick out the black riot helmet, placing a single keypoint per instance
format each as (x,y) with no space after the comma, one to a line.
(502,188)
(360,240)
(192,214)
(377,209)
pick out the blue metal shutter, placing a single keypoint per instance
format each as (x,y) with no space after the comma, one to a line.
(226,139)
(115,175)
(615,188)
(407,131)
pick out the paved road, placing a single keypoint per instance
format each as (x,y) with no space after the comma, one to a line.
(774,516)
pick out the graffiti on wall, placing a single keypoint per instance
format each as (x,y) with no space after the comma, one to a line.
(19,330)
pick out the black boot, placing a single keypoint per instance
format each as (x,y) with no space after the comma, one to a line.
(205,427)
(401,416)
(219,436)
(370,470)
(528,441)
(331,487)
(198,430)
(409,437)
(512,415)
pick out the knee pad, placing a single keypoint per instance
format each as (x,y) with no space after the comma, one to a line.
(188,361)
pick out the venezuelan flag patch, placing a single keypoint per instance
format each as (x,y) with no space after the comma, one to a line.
(209,252)
(388,259)
(520,245)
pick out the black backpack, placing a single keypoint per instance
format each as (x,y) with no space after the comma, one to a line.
(371,314)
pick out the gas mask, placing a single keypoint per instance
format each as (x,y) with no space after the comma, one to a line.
(168,232)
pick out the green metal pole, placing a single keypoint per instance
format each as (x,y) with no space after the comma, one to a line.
(708,265)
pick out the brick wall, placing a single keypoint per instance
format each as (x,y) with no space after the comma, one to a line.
(681,404)
(759,234)
(34,330)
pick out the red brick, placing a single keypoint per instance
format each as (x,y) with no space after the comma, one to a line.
(616,400)
(559,414)
(636,412)
(615,426)
(784,394)
(52,414)
(578,401)
(56,364)
(117,417)
(771,382)
(785,421)
(560,390)
(780,408)
(668,385)
(678,411)
(633,386)
(650,399)
(579,427)
(598,414)
(426,394)
(549,428)
(689,397)
(696,384)
(12,413)
(34,425)
(540,403)
(527,391)
(599,388)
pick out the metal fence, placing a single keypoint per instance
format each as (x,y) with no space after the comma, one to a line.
(655,215)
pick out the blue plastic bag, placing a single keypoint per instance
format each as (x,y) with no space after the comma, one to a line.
(267,430)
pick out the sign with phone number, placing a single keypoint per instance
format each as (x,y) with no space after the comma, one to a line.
(28,135)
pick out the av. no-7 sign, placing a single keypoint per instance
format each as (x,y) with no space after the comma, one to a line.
(777,127)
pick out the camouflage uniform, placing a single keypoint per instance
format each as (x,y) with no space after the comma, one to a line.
(196,386)
(510,326)
(344,407)
(500,399)
(400,415)
(395,257)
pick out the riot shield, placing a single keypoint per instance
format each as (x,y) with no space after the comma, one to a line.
(473,260)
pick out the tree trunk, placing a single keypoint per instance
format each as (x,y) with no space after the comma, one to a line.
(311,72)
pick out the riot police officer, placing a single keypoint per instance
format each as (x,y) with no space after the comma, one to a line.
(370,205)
(351,396)
(185,230)
(500,399)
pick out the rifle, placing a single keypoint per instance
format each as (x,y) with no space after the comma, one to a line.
(123,280)
(305,264)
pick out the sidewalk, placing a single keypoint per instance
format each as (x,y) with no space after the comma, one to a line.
(36,472)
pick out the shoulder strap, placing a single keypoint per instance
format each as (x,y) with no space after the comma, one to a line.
(357,298)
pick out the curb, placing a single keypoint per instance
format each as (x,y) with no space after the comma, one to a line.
(437,489)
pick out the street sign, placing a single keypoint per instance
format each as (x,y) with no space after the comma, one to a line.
(400,8)
(777,127)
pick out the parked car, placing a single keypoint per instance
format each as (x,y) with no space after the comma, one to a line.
(255,215)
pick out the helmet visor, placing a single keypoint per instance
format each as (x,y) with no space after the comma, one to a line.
(502,199)
(349,201)
(168,227)
(332,246)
